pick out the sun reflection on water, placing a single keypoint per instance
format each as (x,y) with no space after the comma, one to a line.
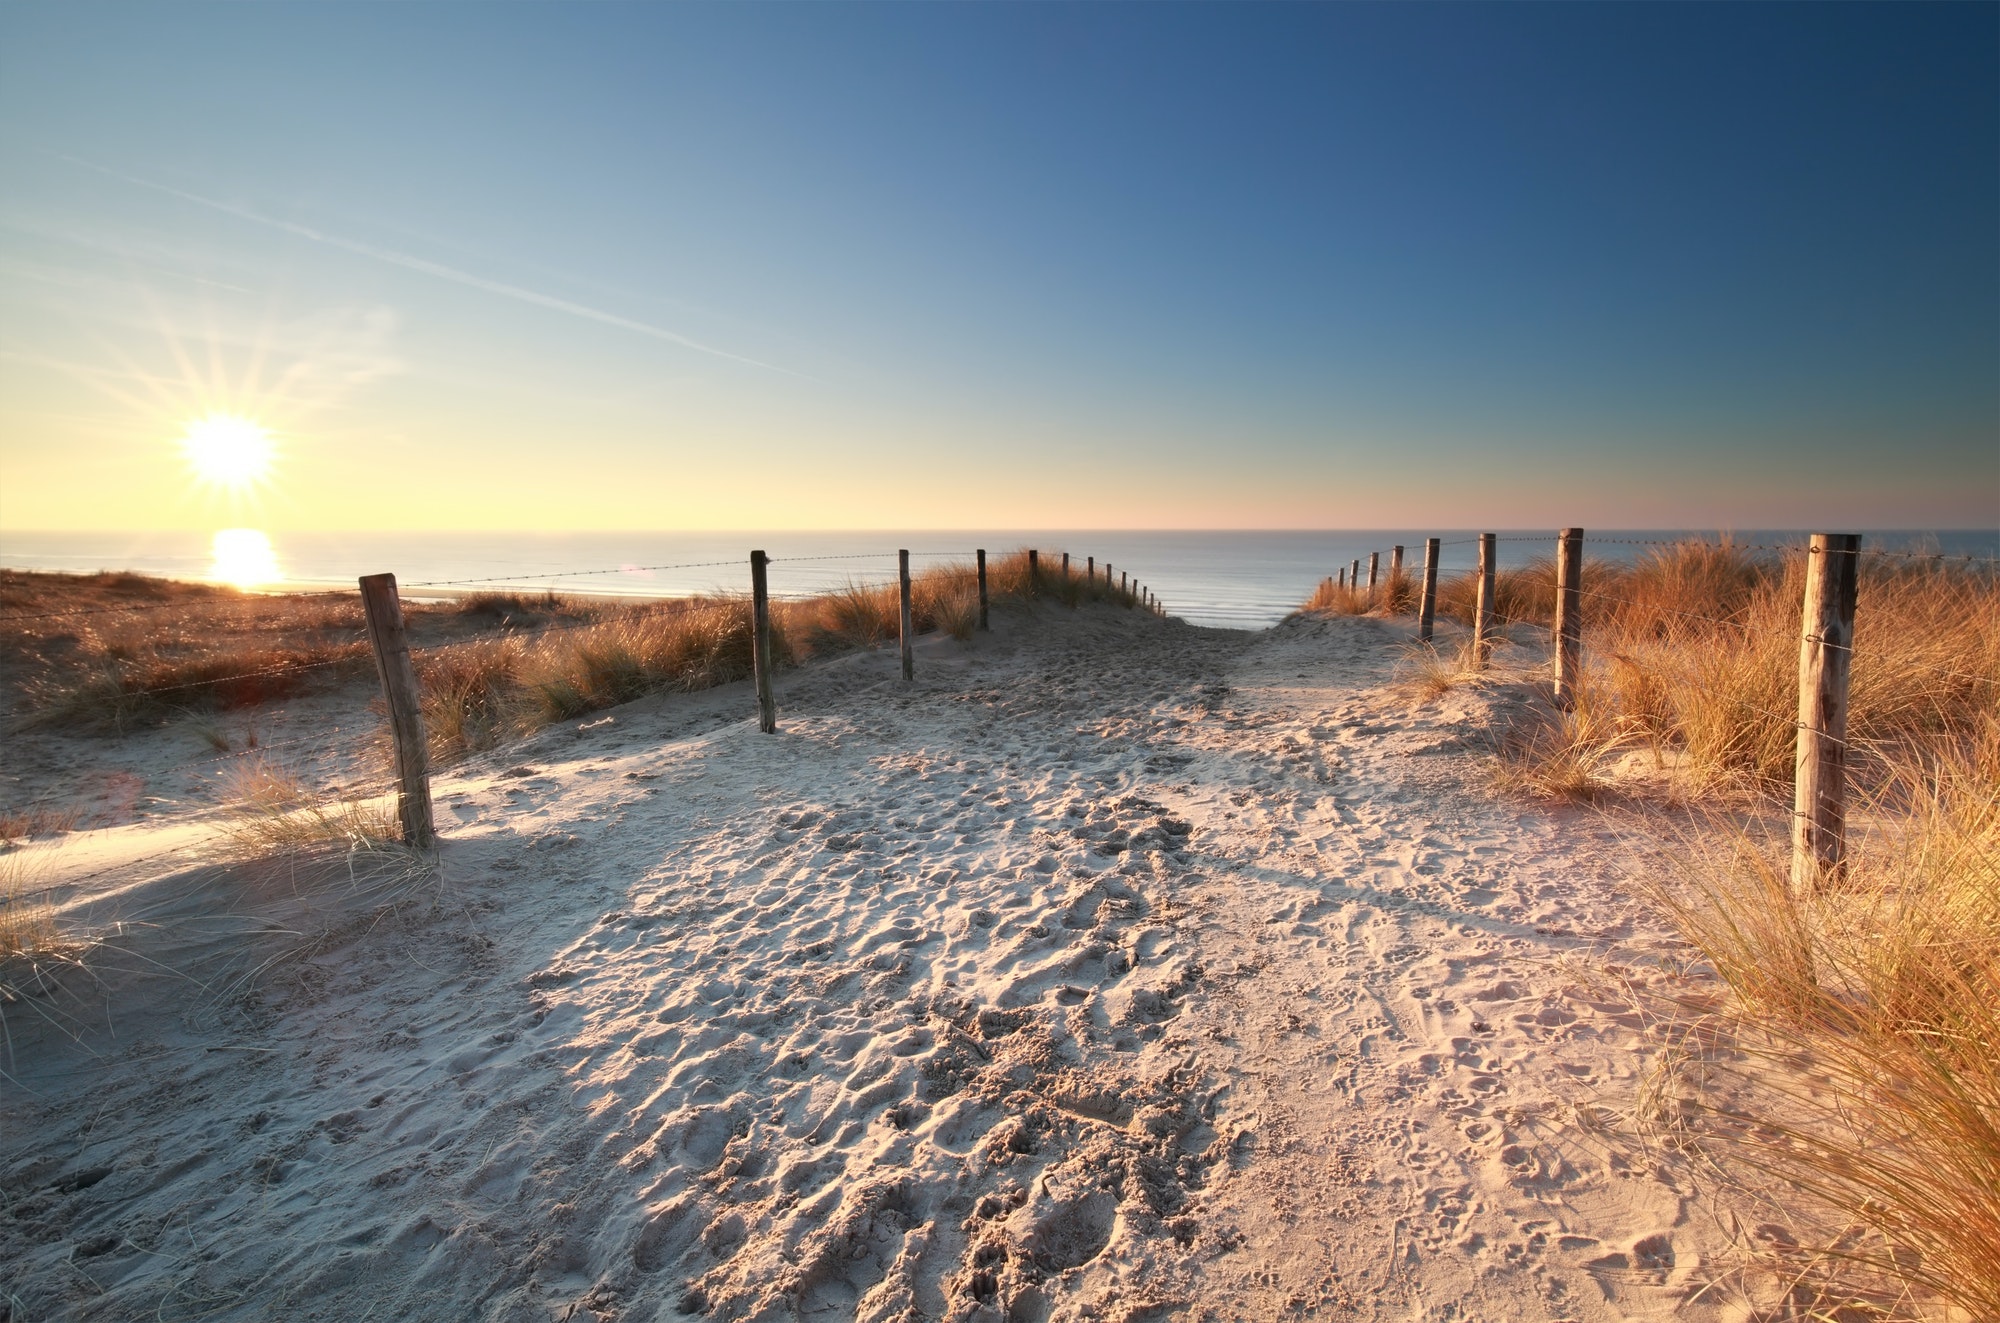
(244,558)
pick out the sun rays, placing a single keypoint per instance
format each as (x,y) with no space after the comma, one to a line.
(228,453)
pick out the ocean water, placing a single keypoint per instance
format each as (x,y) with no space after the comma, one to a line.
(1236,579)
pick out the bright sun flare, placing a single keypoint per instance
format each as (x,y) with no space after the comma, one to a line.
(244,557)
(227,451)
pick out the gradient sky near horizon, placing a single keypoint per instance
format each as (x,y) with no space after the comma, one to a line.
(604,266)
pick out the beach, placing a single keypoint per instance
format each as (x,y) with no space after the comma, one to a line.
(1116,968)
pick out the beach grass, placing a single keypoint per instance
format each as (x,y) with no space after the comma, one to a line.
(1849,1062)
(482,691)
(271,810)
(1838,1058)
(1694,648)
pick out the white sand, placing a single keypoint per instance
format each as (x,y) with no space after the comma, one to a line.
(1116,969)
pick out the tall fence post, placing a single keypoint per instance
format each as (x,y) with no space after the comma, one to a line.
(1374,572)
(1354,575)
(384,611)
(1065,567)
(1034,571)
(1482,630)
(1569,614)
(1121,583)
(1395,568)
(903,586)
(1826,656)
(1343,578)
(1090,570)
(760,642)
(981,553)
(1427,604)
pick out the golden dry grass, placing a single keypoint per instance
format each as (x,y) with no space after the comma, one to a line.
(270,810)
(39,819)
(1694,648)
(1850,1062)
(480,692)
(27,921)
(1336,598)
(1843,1062)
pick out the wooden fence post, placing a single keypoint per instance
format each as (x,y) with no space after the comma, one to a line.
(1395,569)
(384,611)
(1034,571)
(760,642)
(981,553)
(1826,656)
(903,584)
(1343,578)
(1374,572)
(1090,570)
(1065,567)
(1123,590)
(1569,615)
(1427,604)
(1482,631)
(1354,575)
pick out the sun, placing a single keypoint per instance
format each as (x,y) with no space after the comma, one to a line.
(244,557)
(227,451)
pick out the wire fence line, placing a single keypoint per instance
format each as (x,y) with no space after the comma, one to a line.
(527,576)
(352,648)
(1746,627)
(223,602)
(647,609)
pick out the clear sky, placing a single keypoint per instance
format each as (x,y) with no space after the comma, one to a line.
(596,266)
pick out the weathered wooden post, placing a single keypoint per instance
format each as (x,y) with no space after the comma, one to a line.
(384,611)
(1343,578)
(1065,567)
(1569,614)
(1107,576)
(1374,570)
(1090,570)
(1427,603)
(903,584)
(1395,573)
(1354,575)
(760,642)
(1826,656)
(1483,620)
(981,553)
(1122,589)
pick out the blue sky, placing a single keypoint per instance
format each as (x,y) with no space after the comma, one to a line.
(598,266)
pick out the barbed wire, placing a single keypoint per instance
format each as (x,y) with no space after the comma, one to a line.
(1684,541)
(257,749)
(183,606)
(1737,699)
(526,576)
(1967,557)
(149,690)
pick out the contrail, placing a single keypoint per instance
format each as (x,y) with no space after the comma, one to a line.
(436,269)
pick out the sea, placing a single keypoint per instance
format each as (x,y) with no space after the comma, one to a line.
(1233,579)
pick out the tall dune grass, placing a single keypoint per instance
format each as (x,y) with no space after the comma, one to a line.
(483,691)
(1694,647)
(1845,1059)
(1851,1059)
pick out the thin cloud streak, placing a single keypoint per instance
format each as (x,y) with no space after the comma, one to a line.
(434,269)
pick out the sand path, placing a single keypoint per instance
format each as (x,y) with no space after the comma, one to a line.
(1116,969)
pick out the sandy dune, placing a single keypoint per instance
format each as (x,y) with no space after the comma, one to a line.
(1117,969)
